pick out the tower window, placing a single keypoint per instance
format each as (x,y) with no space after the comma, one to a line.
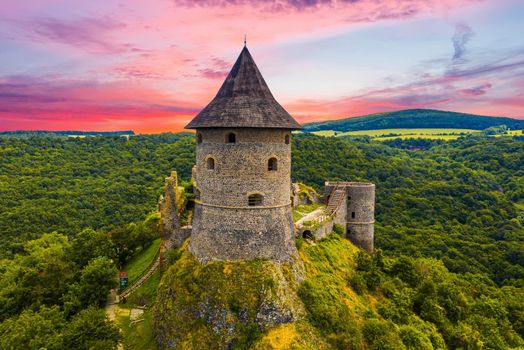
(254,200)
(231,138)
(352,214)
(286,139)
(272,164)
(199,138)
(210,163)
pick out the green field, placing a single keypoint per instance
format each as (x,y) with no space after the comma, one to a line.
(388,134)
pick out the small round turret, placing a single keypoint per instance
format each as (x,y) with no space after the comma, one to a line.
(361,214)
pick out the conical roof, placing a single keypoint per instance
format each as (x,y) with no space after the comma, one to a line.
(244,101)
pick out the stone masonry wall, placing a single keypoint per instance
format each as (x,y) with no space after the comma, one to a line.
(241,168)
(242,234)
(224,226)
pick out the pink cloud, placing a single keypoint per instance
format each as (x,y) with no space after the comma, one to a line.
(29,103)
(476,91)
(92,34)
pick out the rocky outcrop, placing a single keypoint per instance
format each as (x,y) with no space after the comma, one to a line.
(222,304)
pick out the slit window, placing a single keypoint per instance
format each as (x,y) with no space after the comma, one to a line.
(286,139)
(254,200)
(352,214)
(210,163)
(199,138)
(272,164)
(231,138)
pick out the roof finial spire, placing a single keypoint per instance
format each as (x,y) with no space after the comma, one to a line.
(245,40)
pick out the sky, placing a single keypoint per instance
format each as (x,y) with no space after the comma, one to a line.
(152,65)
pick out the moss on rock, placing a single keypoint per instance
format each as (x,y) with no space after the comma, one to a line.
(223,304)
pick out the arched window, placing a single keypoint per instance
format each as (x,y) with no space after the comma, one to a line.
(286,139)
(272,164)
(255,199)
(199,137)
(231,138)
(210,163)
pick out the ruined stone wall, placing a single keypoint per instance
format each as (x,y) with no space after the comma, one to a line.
(224,226)
(171,234)
(169,220)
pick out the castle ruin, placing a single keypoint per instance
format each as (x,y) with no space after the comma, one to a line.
(242,177)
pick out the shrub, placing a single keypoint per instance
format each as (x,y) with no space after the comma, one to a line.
(358,283)
(381,335)
(330,316)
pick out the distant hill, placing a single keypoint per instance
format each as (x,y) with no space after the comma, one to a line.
(68,133)
(414,118)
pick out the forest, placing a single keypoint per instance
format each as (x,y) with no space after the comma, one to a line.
(73,210)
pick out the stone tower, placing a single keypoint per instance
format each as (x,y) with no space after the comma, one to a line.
(361,214)
(243,172)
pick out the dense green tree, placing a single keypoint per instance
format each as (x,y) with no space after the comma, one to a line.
(33,330)
(88,244)
(38,277)
(91,329)
(96,280)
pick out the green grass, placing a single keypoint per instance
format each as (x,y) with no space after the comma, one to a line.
(136,267)
(301,210)
(146,294)
(140,335)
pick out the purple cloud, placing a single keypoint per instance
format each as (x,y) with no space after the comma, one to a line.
(86,33)
(476,91)
(420,100)
(461,37)
(213,74)
(485,68)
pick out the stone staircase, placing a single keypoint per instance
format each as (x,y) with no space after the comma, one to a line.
(336,198)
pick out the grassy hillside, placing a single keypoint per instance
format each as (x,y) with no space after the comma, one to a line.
(338,297)
(414,118)
(138,264)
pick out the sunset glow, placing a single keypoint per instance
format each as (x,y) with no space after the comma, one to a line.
(150,66)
